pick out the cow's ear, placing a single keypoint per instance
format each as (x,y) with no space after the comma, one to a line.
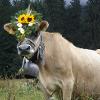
(9,28)
(43,26)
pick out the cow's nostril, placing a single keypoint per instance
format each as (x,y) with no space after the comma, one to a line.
(20,49)
(28,48)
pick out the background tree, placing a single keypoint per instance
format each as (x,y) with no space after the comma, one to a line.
(93,23)
(5,6)
(55,14)
(8,54)
(21,4)
(73,20)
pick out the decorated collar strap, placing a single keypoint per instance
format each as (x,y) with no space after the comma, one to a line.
(38,56)
(25,22)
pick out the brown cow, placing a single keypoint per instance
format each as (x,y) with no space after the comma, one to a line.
(65,65)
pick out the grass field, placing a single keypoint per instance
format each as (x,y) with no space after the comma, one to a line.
(19,90)
(26,90)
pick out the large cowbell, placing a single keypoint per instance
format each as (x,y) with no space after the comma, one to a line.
(28,69)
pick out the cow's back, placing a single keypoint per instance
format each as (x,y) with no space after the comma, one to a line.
(86,68)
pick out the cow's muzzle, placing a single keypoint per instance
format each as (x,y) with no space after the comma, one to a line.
(25,49)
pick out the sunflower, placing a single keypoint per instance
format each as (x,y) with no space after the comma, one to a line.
(22,19)
(30,19)
(24,22)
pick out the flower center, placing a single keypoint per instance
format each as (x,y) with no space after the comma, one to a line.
(22,18)
(29,19)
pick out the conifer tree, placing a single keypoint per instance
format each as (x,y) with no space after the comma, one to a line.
(93,22)
(8,54)
(55,15)
(73,14)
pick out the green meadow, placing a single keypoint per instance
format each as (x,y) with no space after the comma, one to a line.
(20,90)
(25,89)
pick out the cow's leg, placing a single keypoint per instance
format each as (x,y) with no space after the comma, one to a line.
(47,95)
(67,88)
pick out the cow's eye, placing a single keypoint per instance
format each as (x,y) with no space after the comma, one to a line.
(35,34)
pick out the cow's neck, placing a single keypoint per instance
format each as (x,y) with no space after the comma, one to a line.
(38,57)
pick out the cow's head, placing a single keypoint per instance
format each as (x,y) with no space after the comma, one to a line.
(30,44)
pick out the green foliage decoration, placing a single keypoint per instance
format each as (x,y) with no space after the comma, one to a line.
(25,22)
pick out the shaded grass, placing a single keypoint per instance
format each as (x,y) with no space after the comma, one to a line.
(19,90)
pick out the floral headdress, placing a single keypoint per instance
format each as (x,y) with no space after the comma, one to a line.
(25,22)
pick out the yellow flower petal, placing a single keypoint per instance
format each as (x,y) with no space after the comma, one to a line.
(30,19)
(22,18)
